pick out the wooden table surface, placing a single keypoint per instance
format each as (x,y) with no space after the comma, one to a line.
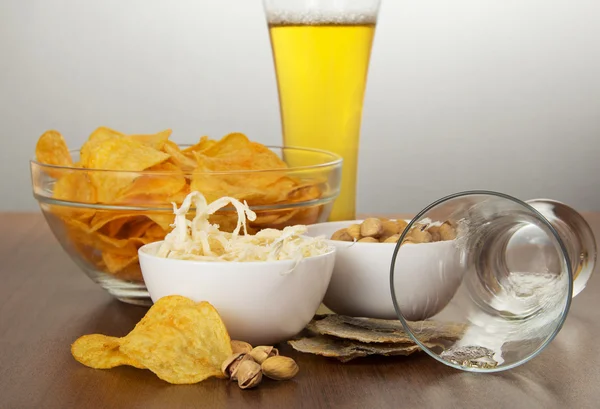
(46,302)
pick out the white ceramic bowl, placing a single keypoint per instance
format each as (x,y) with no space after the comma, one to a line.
(360,285)
(257,301)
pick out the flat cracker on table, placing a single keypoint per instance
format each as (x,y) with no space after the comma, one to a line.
(371,330)
(346,350)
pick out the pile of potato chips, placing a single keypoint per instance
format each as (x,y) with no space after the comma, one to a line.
(181,341)
(149,172)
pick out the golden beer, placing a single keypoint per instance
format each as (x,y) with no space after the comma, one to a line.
(321,75)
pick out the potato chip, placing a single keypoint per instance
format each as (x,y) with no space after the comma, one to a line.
(124,155)
(156,232)
(201,146)
(166,167)
(162,219)
(232,143)
(137,228)
(103,217)
(151,185)
(117,262)
(156,141)
(97,137)
(131,273)
(113,227)
(51,149)
(236,153)
(101,352)
(177,157)
(180,341)
(74,186)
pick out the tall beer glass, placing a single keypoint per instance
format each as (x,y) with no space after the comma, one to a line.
(321,50)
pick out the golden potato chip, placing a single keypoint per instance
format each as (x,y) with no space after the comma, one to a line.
(304,193)
(215,186)
(74,186)
(113,227)
(97,137)
(137,228)
(132,272)
(180,341)
(119,243)
(156,141)
(116,262)
(51,149)
(120,154)
(101,352)
(124,155)
(155,232)
(177,157)
(103,217)
(201,146)
(233,143)
(236,153)
(152,185)
(165,167)
(263,218)
(162,219)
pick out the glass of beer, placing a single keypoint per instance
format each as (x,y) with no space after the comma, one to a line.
(321,50)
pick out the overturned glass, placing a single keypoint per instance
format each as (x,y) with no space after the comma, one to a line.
(507,279)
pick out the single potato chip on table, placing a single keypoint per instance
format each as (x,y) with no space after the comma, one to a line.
(101,352)
(181,341)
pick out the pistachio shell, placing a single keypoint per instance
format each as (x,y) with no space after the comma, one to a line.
(230,363)
(280,368)
(249,374)
(240,347)
(262,352)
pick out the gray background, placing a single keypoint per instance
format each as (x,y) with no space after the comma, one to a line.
(495,94)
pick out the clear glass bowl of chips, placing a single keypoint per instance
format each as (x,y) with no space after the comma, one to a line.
(101,217)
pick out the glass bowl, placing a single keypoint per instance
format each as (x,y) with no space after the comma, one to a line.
(101,228)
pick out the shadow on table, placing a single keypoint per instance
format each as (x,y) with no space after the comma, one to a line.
(114,318)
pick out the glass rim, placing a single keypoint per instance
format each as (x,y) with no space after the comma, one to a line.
(541,218)
(168,207)
(335,160)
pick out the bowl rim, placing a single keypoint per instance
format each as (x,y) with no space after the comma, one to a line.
(336,160)
(142,253)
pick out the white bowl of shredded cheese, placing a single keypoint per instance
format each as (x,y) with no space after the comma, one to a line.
(266,287)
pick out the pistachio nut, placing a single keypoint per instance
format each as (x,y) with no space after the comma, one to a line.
(231,364)
(280,368)
(249,374)
(260,353)
(240,347)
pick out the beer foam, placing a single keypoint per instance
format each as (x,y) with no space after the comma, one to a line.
(285,17)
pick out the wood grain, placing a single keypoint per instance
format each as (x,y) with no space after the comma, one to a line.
(46,302)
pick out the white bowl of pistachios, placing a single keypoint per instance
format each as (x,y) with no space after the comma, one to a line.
(360,284)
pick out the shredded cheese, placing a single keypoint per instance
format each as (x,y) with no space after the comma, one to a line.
(198,239)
